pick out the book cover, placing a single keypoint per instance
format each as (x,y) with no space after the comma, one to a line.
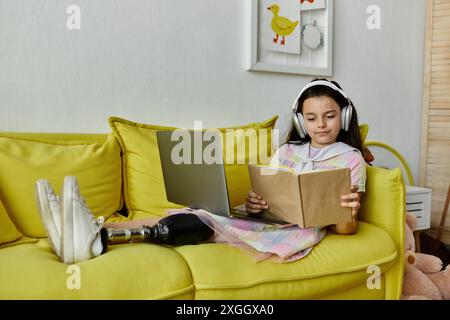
(307,199)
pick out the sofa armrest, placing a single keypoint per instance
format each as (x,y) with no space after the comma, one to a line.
(384,205)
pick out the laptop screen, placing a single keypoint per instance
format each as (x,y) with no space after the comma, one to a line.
(193,170)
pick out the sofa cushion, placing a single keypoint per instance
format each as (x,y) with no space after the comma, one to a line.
(131,271)
(338,262)
(27,159)
(8,231)
(9,234)
(142,173)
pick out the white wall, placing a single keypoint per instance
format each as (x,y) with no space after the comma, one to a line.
(172,62)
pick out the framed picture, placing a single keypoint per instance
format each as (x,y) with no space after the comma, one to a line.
(312,4)
(292,36)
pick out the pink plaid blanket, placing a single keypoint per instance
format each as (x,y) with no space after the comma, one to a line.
(279,242)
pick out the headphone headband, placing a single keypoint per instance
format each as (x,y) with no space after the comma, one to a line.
(346,112)
(318,83)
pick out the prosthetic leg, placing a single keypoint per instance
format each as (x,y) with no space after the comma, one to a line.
(174,230)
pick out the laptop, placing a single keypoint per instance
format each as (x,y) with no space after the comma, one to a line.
(190,180)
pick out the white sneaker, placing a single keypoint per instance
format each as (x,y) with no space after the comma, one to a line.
(81,238)
(48,206)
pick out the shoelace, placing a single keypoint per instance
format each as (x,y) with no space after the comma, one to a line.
(96,222)
(52,197)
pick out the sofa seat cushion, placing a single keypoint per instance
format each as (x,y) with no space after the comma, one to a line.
(338,262)
(131,271)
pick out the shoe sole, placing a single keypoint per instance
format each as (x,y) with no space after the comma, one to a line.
(67,209)
(42,188)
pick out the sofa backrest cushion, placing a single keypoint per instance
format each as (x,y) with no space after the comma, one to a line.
(9,234)
(25,159)
(8,231)
(142,174)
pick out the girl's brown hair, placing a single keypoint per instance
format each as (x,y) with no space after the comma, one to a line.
(352,137)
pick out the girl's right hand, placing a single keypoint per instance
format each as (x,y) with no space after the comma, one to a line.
(254,203)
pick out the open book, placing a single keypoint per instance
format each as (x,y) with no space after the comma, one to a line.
(307,199)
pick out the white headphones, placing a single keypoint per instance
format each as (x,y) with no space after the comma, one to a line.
(346,112)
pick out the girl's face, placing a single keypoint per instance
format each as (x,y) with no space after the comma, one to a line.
(322,120)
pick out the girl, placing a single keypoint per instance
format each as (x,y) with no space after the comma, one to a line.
(324,135)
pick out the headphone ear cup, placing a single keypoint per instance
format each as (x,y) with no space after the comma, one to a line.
(346,117)
(343,116)
(299,124)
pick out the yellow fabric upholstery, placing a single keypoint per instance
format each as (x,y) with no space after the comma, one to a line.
(57,137)
(26,159)
(338,262)
(8,231)
(360,292)
(335,269)
(132,271)
(363,131)
(9,235)
(142,173)
(384,205)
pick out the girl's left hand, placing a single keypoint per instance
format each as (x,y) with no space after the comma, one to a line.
(352,200)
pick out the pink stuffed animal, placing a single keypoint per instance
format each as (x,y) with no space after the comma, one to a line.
(423,277)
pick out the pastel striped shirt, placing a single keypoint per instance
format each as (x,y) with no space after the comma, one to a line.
(288,155)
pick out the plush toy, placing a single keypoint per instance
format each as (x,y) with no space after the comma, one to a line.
(424,278)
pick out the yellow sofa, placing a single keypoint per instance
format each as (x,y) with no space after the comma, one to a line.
(367,265)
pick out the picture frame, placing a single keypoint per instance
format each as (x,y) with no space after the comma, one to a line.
(310,61)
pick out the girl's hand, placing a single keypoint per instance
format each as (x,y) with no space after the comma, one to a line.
(352,201)
(254,203)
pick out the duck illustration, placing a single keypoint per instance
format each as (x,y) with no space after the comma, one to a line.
(281,25)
